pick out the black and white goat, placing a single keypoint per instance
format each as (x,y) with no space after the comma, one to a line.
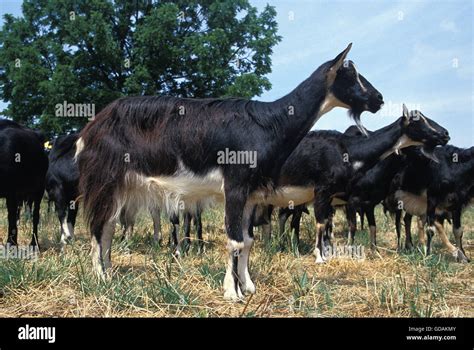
(23,166)
(62,181)
(164,149)
(435,189)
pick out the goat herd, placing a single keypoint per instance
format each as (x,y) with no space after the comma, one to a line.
(161,154)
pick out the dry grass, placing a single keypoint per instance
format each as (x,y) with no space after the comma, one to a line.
(149,282)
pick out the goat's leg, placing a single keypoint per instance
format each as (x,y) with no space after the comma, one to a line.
(71,216)
(198,224)
(322,211)
(186,243)
(370,212)
(408,239)
(329,226)
(60,205)
(398,228)
(174,219)
(36,217)
(421,221)
(456,252)
(12,207)
(69,223)
(235,202)
(127,220)
(430,220)
(319,244)
(156,217)
(102,247)
(295,225)
(352,222)
(246,284)
(457,231)
(267,228)
(283,215)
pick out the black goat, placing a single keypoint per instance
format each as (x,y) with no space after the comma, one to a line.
(297,212)
(435,189)
(411,129)
(162,150)
(23,166)
(62,181)
(370,190)
(358,157)
(314,173)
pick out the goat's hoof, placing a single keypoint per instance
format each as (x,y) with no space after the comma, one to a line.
(35,246)
(233,295)
(200,249)
(67,240)
(460,257)
(249,288)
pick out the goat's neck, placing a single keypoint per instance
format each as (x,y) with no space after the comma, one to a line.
(379,145)
(300,109)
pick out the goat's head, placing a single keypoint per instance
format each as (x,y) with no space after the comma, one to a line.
(421,128)
(353,91)
(423,131)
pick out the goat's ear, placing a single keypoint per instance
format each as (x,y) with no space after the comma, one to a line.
(337,63)
(406,114)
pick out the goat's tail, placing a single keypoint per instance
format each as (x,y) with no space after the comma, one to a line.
(102,169)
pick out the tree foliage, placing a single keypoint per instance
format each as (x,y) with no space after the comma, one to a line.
(94,51)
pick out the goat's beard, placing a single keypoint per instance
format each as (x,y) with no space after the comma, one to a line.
(428,152)
(355,114)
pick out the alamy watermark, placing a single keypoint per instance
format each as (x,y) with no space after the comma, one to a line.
(28,252)
(356,252)
(237,157)
(28,332)
(394,109)
(77,110)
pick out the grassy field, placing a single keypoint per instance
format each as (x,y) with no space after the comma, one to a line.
(149,282)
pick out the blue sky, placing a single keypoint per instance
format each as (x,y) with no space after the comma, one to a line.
(407,49)
(414,52)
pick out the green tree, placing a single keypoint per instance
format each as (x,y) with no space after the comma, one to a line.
(94,51)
